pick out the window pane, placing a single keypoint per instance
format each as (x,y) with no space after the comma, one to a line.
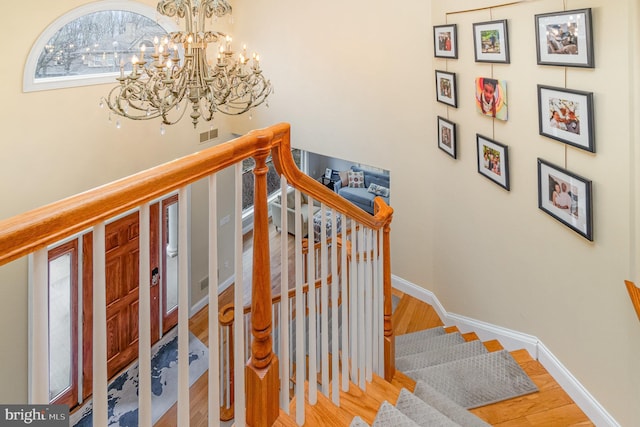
(60,364)
(171,254)
(96,43)
(273,179)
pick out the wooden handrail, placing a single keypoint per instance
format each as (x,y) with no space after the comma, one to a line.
(33,230)
(634,294)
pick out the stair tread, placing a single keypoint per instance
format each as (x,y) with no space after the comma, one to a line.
(440,355)
(420,345)
(389,415)
(357,402)
(358,422)
(447,406)
(421,412)
(423,334)
(486,387)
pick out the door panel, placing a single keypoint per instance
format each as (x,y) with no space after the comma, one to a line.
(122,292)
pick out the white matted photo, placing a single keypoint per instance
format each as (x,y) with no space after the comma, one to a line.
(491,41)
(446,91)
(565,38)
(445,41)
(493,160)
(566,197)
(447,136)
(567,115)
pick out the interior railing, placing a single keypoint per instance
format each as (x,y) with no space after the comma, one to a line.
(344,335)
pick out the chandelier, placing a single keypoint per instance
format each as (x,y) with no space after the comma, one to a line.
(162,84)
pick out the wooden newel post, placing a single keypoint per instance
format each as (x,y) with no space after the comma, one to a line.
(262,380)
(389,339)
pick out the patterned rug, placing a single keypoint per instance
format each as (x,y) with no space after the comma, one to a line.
(123,390)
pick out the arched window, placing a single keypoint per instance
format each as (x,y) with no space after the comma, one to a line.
(89,44)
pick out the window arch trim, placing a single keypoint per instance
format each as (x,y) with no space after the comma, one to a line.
(29,82)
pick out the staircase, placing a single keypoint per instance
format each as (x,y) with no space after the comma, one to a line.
(407,402)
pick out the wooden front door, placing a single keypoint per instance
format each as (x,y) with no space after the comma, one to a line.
(121,248)
(122,290)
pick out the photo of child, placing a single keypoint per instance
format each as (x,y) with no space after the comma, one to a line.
(491,97)
(564,115)
(490,41)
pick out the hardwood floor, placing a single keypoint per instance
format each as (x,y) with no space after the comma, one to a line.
(551,406)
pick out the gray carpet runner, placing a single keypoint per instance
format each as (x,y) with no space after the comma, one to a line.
(451,376)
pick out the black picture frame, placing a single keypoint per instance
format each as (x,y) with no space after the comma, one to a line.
(565,38)
(567,115)
(491,41)
(447,139)
(445,41)
(493,161)
(567,197)
(446,89)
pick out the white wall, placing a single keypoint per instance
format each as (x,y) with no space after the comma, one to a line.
(356,81)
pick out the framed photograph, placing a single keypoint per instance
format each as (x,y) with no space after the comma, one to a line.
(446,91)
(567,115)
(327,173)
(566,197)
(491,42)
(565,38)
(445,40)
(447,136)
(491,97)
(493,160)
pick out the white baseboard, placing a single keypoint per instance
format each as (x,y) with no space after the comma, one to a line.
(513,340)
(205,300)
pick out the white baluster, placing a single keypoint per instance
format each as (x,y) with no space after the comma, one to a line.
(39,341)
(300,356)
(361,305)
(100,414)
(379,264)
(239,335)
(214,345)
(368,306)
(311,281)
(376,298)
(324,302)
(144,319)
(284,301)
(335,287)
(353,303)
(345,307)
(183,308)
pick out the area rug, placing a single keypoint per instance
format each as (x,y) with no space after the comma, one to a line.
(123,390)
(479,380)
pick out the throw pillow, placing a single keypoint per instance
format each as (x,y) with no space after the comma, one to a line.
(378,190)
(356,179)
